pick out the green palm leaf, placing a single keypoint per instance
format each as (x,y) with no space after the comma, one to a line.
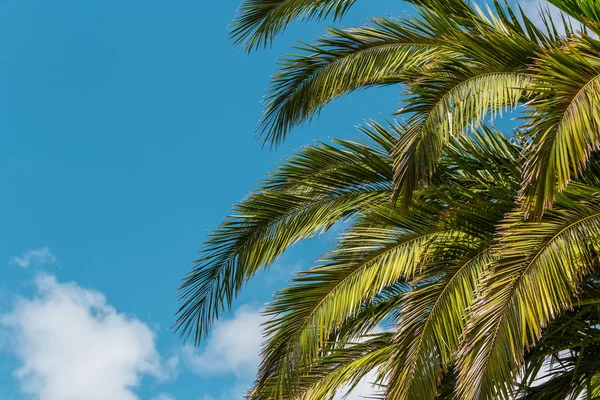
(259,21)
(321,299)
(538,271)
(562,141)
(318,187)
(383,53)
(585,11)
(433,317)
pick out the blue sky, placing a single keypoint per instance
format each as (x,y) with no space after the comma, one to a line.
(127,133)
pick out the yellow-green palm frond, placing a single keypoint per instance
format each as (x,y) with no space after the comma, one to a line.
(444,107)
(314,189)
(344,367)
(538,269)
(457,95)
(381,53)
(432,317)
(352,340)
(317,303)
(564,126)
(349,374)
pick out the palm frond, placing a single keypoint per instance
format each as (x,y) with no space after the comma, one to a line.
(259,21)
(313,190)
(564,121)
(534,279)
(433,318)
(454,103)
(319,300)
(346,366)
(585,11)
(381,53)
(565,361)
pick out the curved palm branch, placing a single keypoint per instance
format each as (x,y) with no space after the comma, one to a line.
(304,197)
(351,371)
(322,298)
(352,333)
(585,11)
(344,367)
(456,95)
(259,21)
(446,113)
(388,52)
(563,139)
(433,320)
(533,281)
(383,53)
(381,248)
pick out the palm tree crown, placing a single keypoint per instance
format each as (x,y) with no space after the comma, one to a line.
(479,247)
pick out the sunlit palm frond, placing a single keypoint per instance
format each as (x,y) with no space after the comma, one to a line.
(316,188)
(564,121)
(319,300)
(433,317)
(381,53)
(445,107)
(344,368)
(352,340)
(539,267)
(457,95)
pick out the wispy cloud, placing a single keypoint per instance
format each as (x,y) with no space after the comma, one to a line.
(164,396)
(233,347)
(71,344)
(35,257)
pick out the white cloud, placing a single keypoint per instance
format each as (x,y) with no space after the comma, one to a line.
(233,347)
(164,396)
(71,345)
(37,257)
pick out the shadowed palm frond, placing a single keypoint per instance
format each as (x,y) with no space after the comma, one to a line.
(566,362)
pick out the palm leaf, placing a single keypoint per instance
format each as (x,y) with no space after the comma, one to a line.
(382,53)
(259,21)
(433,317)
(309,193)
(321,299)
(535,278)
(564,121)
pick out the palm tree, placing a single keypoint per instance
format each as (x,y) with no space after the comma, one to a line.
(479,248)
